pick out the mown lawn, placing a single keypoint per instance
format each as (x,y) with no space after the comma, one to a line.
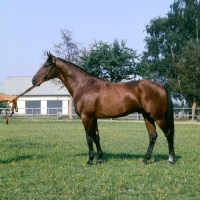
(45,159)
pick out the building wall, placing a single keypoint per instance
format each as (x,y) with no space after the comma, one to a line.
(43,99)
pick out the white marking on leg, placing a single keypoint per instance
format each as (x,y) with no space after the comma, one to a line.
(171,159)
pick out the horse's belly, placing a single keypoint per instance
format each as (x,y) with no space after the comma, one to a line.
(116,109)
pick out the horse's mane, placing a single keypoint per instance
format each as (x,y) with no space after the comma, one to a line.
(79,68)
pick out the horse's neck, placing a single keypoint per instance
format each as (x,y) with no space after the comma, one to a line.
(72,77)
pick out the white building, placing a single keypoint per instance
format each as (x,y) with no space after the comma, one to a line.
(45,99)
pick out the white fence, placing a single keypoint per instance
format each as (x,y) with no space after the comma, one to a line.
(179,113)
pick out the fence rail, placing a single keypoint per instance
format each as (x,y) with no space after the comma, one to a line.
(179,113)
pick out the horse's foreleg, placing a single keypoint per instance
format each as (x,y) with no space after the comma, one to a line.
(97,141)
(88,125)
(150,125)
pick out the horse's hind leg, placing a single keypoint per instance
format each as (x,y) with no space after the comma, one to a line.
(169,134)
(151,128)
(97,140)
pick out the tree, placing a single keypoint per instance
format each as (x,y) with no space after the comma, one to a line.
(69,50)
(171,42)
(113,62)
(188,68)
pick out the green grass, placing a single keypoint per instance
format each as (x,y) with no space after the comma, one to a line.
(45,159)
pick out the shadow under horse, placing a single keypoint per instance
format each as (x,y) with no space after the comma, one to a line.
(96,98)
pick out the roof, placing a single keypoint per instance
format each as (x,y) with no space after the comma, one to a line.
(15,85)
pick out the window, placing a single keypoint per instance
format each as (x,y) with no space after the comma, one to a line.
(54,106)
(33,107)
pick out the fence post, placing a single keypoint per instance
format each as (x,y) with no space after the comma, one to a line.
(70,107)
(32,114)
(138,116)
(57,114)
(193,110)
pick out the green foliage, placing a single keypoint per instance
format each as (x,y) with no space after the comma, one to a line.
(188,69)
(114,62)
(46,160)
(2,105)
(167,42)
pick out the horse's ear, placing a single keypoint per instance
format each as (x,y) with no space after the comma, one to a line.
(50,55)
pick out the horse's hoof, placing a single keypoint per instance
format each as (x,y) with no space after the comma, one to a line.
(170,163)
(99,162)
(144,163)
(89,162)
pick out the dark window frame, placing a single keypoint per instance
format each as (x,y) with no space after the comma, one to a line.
(54,106)
(33,106)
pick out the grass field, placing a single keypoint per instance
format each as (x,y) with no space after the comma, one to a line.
(45,159)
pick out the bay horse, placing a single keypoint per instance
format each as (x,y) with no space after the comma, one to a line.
(9,99)
(96,98)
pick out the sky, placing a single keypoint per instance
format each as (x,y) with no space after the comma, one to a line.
(30,27)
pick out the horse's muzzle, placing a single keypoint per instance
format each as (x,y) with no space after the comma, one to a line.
(37,81)
(34,80)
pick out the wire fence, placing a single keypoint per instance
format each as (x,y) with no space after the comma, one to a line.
(179,114)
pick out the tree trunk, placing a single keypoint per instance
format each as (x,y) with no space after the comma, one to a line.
(70,107)
(182,106)
(193,110)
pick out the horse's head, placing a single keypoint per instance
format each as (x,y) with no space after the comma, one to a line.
(47,71)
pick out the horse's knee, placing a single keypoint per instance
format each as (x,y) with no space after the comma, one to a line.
(152,137)
(89,140)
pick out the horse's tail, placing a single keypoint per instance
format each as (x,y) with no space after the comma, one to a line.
(169,116)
